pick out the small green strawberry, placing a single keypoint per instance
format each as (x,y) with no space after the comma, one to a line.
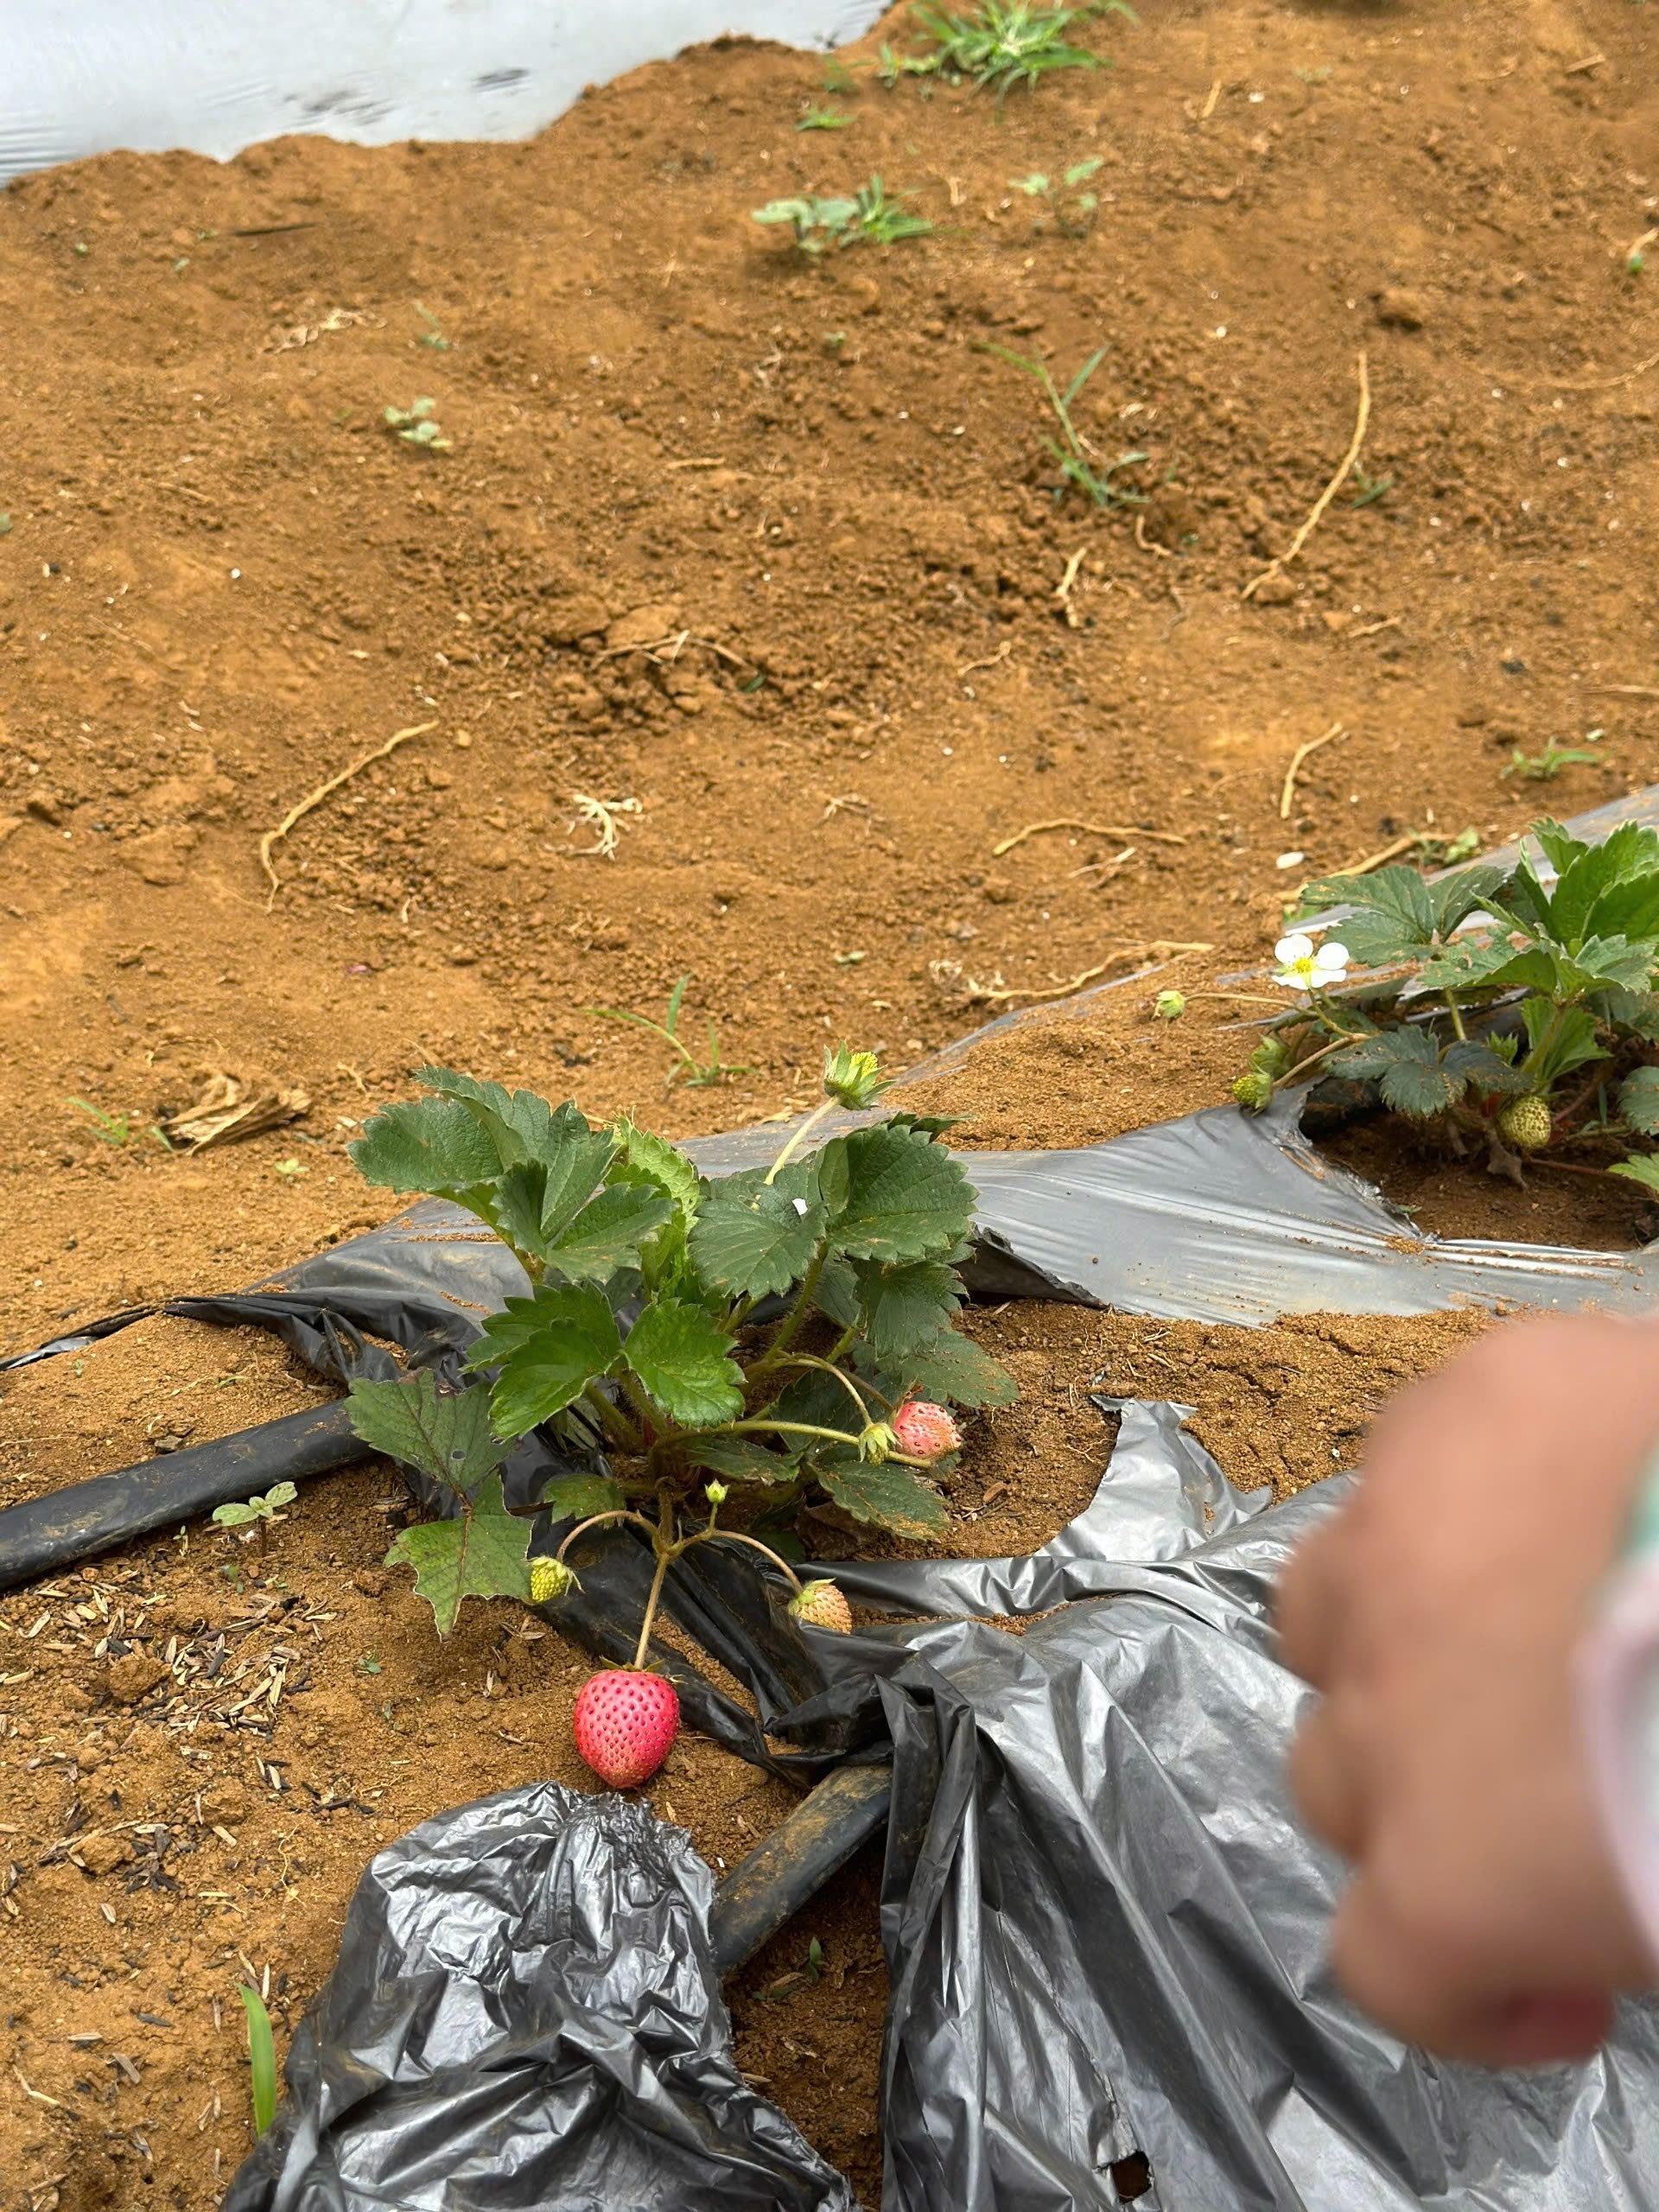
(1525,1122)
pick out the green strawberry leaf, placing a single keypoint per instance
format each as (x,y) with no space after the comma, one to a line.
(683,1358)
(1559,1040)
(1406,1065)
(905,1306)
(547,1348)
(1638,1100)
(650,1158)
(447,1436)
(752,1238)
(1485,1070)
(1641,1167)
(1393,917)
(738,1460)
(837,1294)
(953,1371)
(522,1126)
(425,1144)
(610,1233)
(887,1497)
(1470,891)
(819,1401)
(575,1497)
(906,1198)
(1608,872)
(482,1553)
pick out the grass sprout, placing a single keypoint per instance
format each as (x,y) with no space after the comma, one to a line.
(685,1067)
(261,2059)
(1078,463)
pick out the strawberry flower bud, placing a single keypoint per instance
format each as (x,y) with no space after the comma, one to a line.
(852,1079)
(1170,1005)
(925,1431)
(549,1579)
(714,1492)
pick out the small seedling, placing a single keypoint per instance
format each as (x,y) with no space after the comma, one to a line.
(1075,458)
(685,1067)
(116,1129)
(257,1513)
(1368,490)
(1636,258)
(1071,211)
(416,427)
(1544,767)
(823,226)
(824,118)
(1003,43)
(433,334)
(837,77)
(261,2059)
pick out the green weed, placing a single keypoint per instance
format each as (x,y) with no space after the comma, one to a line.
(117,1129)
(257,1512)
(433,334)
(1003,43)
(824,118)
(1078,464)
(261,2059)
(416,427)
(1368,490)
(685,1067)
(823,226)
(1544,767)
(1071,212)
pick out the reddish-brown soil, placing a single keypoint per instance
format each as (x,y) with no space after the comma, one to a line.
(223,581)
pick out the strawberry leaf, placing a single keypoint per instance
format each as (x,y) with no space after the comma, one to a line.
(752,1238)
(1638,1100)
(448,1436)
(482,1553)
(1641,1167)
(522,1126)
(906,1198)
(738,1460)
(953,1371)
(885,1495)
(683,1358)
(609,1233)
(425,1144)
(575,1497)
(547,1348)
(904,1307)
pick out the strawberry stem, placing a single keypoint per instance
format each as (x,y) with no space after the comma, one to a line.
(732,1537)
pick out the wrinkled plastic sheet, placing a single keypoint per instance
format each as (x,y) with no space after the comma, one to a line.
(84,76)
(1105,1932)
(525,2013)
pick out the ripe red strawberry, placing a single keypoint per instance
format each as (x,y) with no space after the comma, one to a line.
(824,1605)
(625,1721)
(925,1431)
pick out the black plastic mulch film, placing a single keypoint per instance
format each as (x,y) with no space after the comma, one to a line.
(1105,1932)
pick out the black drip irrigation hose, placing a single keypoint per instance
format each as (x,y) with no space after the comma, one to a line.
(42,1535)
(793,1865)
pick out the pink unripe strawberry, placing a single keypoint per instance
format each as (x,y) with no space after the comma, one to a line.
(823,1606)
(625,1721)
(925,1431)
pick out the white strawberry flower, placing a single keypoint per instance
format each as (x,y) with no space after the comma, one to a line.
(1303,968)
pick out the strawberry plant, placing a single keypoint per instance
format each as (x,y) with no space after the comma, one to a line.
(1515,1006)
(781,1335)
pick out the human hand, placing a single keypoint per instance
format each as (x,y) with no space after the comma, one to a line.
(1438,1613)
